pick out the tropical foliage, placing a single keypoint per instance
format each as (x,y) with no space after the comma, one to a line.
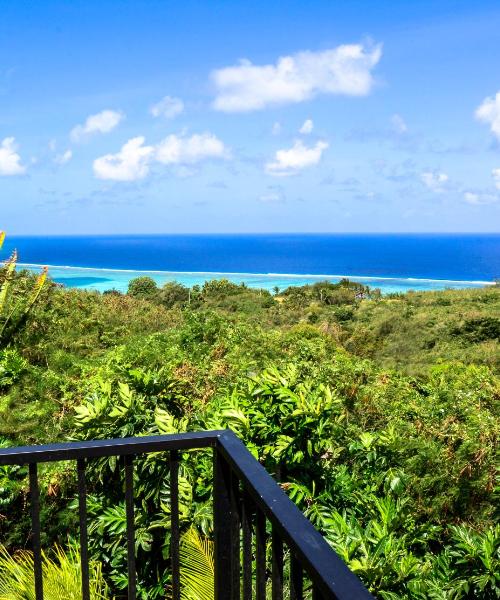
(197,567)
(15,301)
(378,415)
(61,576)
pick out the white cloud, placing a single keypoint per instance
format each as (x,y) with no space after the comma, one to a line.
(290,161)
(479,198)
(344,70)
(175,150)
(10,161)
(102,122)
(496,178)
(130,164)
(489,112)
(434,181)
(471,198)
(307,127)
(134,160)
(167,107)
(399,124)
(65,157)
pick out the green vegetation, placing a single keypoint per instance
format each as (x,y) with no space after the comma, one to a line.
(17,302)
(61,576)
(378,415)
(197,567)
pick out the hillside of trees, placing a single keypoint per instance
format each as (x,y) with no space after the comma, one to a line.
(379,416)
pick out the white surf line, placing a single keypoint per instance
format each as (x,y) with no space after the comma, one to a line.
(267,275)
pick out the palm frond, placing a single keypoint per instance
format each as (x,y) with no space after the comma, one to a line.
(61,576)
(197,567)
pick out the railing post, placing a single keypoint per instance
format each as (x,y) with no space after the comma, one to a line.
(296,579)
(277,571)
(35,526)
(246,524)
(224,575)
(84,545)
(129,509)
(260,556)
(174,524)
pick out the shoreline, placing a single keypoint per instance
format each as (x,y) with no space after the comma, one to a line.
(219,274)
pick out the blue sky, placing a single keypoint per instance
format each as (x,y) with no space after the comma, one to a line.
(160,116)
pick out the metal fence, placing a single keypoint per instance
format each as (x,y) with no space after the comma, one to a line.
(247,504)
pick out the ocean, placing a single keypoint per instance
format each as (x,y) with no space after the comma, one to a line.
(391,262)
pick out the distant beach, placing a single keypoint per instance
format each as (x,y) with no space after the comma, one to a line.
(393,263)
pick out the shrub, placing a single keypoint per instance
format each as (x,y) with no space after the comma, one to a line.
(479,329)
(143,287)
(12,366)
(173,293)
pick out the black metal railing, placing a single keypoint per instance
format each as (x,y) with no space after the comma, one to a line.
(247,504)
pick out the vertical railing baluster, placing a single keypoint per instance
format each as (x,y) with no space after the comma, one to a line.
(316,595)
(35,526)
(82,510)
(260,555)
(246,519)
(129,507)
(174,524)
(234,498)
(277,570)
(296,579)
(222,528)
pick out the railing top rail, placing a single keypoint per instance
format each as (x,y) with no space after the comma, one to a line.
(326,569)
(115,447)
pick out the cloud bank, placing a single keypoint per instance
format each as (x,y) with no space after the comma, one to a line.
(168,107)
(292,160)
(176,150)
(102,122)
(346,70)
(307,127)
(65,157)
(134,160)
(436,182)
(130,164)
(10,161)
(489,112)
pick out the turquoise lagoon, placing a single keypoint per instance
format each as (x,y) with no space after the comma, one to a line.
(117,279)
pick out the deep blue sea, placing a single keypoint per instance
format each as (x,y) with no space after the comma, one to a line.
(392,262)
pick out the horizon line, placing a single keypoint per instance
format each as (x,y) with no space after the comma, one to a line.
(236,233)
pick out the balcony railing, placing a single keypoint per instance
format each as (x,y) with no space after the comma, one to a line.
(246,498)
